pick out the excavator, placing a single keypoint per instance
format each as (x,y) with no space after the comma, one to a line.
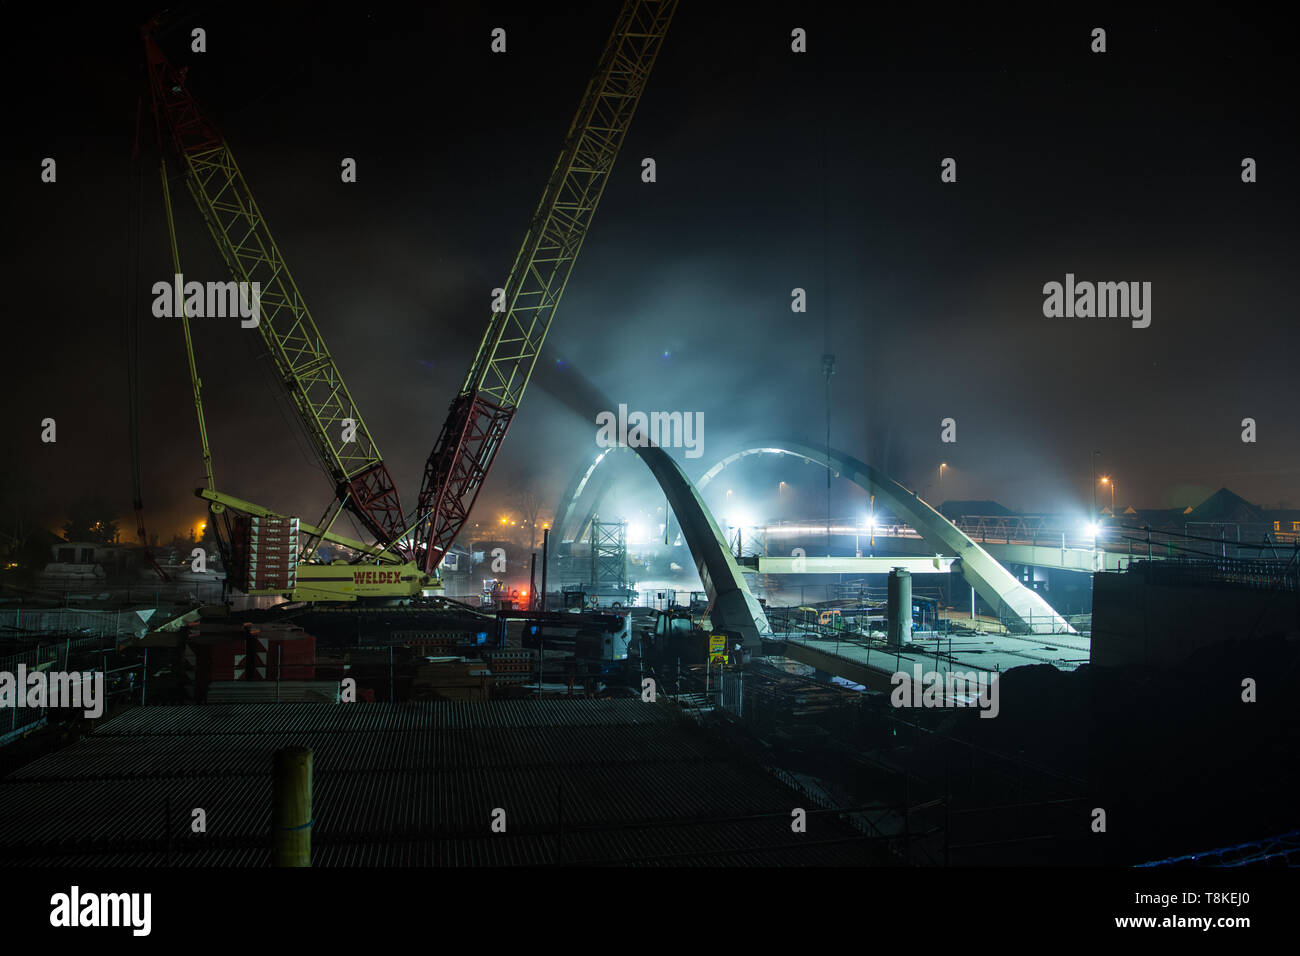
(268,553)
(681,642)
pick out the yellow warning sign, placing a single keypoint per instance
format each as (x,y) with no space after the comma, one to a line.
(717,648)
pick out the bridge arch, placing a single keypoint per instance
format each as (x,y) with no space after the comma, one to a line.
(994,583)
(567,510)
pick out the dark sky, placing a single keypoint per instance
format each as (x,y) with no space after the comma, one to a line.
(774,171)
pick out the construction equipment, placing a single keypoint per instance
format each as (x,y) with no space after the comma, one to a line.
(325,408)
(383,576)
(296,347)
(598,641)
(677,635)
(488,399)
(679,643)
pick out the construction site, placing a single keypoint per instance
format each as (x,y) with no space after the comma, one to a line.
(598,638)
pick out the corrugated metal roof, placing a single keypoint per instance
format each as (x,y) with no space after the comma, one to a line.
(411,784)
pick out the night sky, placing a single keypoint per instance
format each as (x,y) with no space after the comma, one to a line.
(775,170)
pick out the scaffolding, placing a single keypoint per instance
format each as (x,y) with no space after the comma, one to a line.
(608,555)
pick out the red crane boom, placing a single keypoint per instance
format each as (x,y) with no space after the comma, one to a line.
(482,410)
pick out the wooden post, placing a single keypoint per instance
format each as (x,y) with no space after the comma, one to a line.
(291,819)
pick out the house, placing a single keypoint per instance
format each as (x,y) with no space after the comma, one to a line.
(84,560)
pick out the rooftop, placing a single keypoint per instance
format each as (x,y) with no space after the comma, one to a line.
(414,784)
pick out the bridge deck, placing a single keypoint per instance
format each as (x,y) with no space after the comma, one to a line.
(868,662)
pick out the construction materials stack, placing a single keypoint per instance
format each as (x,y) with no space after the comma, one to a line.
(452,678)
(441,641)
(264,554)
(222,653)
(512,666)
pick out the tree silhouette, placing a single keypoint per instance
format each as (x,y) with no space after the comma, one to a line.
(528,504)
(91,519)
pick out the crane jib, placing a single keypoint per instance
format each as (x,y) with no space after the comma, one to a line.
(481,414)
(325,408)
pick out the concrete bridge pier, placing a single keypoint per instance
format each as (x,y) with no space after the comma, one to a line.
(899,608)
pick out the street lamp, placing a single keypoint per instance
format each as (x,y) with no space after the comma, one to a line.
(1105,480)
(942,466)
(1095,453)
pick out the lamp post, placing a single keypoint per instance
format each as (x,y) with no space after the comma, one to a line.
(942,466)
(1095,453)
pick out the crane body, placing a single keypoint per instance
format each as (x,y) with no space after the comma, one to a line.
(404,562)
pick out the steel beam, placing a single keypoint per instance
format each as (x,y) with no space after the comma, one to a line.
(833,565)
